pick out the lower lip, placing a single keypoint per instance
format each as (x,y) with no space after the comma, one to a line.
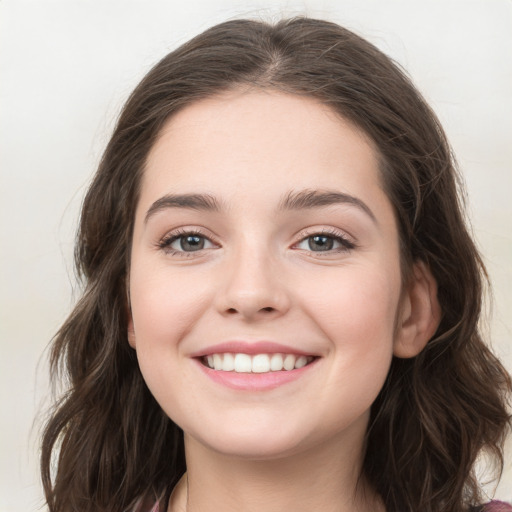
(255,381)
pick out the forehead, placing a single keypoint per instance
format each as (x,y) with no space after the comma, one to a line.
(260,141)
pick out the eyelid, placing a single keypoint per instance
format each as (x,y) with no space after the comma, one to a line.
(165,241)
(325,230)
(347,240)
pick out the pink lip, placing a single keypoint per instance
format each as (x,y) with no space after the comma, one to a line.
(254,381)
(250,348)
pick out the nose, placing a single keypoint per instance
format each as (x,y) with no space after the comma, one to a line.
(252,286)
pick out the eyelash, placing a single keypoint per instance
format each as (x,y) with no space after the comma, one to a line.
(165,243)
(337,236)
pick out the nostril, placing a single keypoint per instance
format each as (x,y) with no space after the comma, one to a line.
(244,312)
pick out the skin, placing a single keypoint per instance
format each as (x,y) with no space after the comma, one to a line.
(298,446)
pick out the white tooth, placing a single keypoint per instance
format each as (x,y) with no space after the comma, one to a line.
(228,365)
(217,361)
(209,360)
(289,362)
(276,362)
(243,363)
(301,361)
(261,363)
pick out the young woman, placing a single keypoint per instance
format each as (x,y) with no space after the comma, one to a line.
(281,298)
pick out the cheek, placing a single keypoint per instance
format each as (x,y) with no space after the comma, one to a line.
(165,307)
(361,299)
(358,317)
(165,303)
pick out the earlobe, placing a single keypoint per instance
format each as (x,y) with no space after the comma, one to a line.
(420,313)
(131,332)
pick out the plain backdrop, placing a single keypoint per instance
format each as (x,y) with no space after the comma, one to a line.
(66,68)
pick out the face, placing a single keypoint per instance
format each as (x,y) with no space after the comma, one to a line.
(265,277)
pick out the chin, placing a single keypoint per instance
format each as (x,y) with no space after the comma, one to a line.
(263,444)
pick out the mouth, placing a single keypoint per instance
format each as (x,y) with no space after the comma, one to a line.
(255,363)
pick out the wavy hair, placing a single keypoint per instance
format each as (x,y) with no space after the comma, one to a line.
(108,445)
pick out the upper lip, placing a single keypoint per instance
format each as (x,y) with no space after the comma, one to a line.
(251,348)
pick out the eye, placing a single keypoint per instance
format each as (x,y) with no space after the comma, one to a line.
(325,242)
(185,242)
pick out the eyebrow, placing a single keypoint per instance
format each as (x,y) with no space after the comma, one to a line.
(293,200)
(308,199)
(201,202)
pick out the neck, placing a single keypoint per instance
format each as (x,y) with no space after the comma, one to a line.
(307,481)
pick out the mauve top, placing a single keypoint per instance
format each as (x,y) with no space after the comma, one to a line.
(493,506)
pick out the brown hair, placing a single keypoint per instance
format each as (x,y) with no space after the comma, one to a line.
(113,443)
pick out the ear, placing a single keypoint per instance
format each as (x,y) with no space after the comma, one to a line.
(131,331)
(419,315)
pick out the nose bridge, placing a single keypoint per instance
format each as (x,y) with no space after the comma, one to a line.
(252,283)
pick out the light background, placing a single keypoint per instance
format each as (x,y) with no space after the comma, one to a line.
(66,68)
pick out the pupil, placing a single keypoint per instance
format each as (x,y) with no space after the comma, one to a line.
(192,243)
(321,243)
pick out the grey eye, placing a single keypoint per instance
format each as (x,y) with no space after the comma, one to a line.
(190,243)
(320,243)
(324,242)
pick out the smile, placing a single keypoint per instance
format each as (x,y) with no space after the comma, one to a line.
(258,363)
